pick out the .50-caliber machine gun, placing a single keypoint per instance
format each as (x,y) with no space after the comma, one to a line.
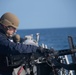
(49,57)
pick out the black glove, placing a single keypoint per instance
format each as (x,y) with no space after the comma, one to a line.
(45,51)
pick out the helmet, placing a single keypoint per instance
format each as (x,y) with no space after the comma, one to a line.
(16,38)
(9,19)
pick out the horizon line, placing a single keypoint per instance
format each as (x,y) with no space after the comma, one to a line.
(45,28)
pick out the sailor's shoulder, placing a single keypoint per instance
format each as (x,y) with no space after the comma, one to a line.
(2,35)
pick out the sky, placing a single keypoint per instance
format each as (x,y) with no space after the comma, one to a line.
(35,14)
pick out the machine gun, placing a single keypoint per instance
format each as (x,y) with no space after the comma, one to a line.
(15,60)
(47,56)
(28,60)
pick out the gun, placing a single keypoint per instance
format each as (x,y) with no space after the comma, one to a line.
(35,58)
(30,58)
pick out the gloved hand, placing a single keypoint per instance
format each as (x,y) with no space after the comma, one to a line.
(45,51)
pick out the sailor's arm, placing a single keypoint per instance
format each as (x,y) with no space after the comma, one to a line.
(13,47)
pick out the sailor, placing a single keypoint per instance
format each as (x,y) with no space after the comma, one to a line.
(8,25)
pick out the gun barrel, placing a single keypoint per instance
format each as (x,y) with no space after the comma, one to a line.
(66,52)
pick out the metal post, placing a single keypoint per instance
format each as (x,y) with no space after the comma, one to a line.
(71,47)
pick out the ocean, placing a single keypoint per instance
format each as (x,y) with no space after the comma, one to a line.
(56,38)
